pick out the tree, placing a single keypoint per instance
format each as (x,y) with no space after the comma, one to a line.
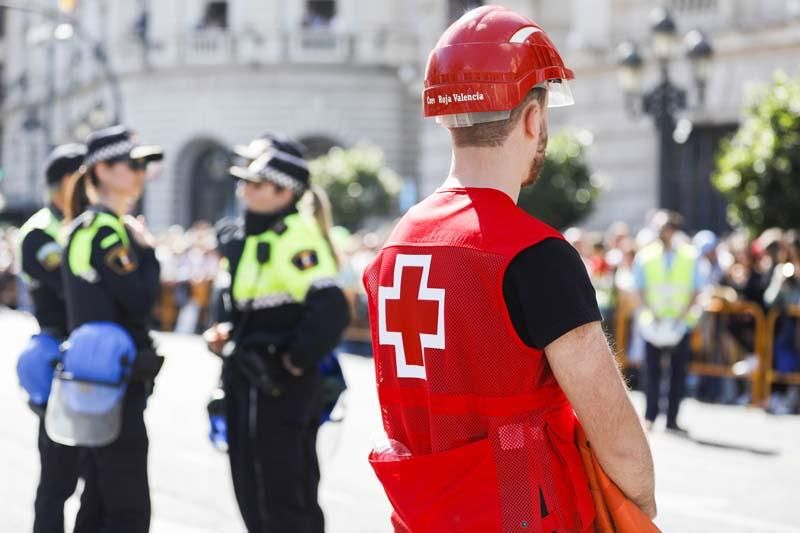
(564,193)
(358,183)
(758,170)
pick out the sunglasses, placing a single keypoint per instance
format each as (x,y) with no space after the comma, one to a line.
(133,164)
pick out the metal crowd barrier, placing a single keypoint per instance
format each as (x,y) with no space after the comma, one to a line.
(167,309)
(712,349)
(772,376)
(358,330)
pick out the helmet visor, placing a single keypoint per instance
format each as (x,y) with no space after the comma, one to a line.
(559,93)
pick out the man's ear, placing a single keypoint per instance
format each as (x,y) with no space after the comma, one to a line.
(532,119)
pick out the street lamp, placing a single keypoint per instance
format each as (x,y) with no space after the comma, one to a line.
(699,52)
(630,72)
(664,101)
(664,34)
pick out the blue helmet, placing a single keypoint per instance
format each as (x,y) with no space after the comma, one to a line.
(86,404)
(101,353)
(36,365)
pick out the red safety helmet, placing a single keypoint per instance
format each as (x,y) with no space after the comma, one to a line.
(486,63)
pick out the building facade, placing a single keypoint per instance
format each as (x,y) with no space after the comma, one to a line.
(198,76)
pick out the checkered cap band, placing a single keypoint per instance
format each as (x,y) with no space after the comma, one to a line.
(282,168)
(111,151)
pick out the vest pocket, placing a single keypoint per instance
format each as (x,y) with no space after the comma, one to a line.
(454,490)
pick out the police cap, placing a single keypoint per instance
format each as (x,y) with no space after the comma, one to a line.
(64,159)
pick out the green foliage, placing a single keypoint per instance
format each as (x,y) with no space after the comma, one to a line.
(564,193)
(759,168)
(358,183)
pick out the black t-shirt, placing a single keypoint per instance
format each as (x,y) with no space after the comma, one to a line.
(548,292)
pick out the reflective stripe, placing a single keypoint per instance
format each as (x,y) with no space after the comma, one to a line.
(324,283)
(266,302)
(522,34)
(109,241)
(279,299)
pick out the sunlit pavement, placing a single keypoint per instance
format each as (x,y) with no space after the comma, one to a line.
(739,471)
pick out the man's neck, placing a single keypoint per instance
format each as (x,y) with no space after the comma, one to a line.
(486,168)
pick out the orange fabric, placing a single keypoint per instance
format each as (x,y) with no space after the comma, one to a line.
(614,512)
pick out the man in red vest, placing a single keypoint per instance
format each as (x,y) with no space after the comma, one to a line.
(485,327)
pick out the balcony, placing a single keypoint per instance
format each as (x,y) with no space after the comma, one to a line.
(220,47)
(208,47)
(693,6)
(706,14)
(319,46)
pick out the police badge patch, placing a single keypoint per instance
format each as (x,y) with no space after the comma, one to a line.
(119,260)
(305,259)
(49,256)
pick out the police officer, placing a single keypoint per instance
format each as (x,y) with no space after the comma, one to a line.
(486,330)
(41,256)
(111,275)
(668,278)
(285,311)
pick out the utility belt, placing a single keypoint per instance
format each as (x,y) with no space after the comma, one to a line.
(258,358)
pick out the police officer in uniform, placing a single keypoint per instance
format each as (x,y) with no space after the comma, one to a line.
(111,274)
(283,312)
(41,256)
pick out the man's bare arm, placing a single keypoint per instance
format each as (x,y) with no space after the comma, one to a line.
(585,368)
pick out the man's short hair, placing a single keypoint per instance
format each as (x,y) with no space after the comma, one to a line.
(495,133)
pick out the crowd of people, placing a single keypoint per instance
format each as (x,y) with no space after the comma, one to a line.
(764,271)
(733,268)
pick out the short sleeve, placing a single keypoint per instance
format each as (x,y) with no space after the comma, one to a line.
(548,292)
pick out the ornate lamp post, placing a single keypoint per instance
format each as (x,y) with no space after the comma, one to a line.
(665,100)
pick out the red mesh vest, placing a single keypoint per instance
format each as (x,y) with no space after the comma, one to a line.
(486,423)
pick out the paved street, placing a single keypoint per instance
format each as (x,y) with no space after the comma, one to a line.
(739,473)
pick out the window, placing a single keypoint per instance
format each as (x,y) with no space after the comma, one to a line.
(693,6)
(215,16)
(459,7)
(319,13)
